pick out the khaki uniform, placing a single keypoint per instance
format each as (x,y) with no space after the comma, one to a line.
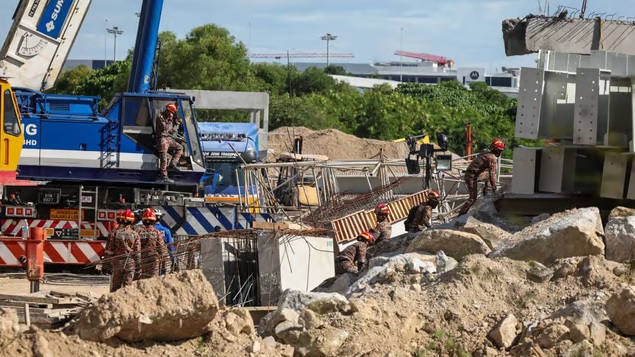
(423,217)
(164,129)
(352,259)
(153,251)
(481,163)
(124,242)
(382,231)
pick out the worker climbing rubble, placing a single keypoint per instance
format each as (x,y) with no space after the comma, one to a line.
(153,251)
(482,162)
(353,258)
(125,247)
(421,215)
(383,229)
(165,129)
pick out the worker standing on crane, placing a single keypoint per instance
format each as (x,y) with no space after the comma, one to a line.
(482,162)
(125,247)
(421,215)
(153,250)
(383,229)
(165,129)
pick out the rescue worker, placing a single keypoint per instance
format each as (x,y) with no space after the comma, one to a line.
(483,162)
(383,229)
(153,250)
(164,130)
(353,258)
(167,239)
(421,215)
(126,246)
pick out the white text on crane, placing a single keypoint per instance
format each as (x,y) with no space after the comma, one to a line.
(30,134)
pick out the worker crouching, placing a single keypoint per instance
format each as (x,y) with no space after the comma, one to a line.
(153,251)
(383,229)
(420,216)
(353,258)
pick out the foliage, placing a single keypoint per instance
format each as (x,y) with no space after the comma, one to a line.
(210,58)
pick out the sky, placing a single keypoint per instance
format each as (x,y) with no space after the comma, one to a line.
(466,31)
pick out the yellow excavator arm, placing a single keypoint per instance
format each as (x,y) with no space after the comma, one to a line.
(11,135)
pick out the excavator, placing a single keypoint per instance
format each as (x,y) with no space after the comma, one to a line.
(82,164)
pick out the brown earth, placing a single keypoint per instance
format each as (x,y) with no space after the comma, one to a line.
(334,144)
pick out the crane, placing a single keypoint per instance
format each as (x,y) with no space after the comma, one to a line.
(426,57)
(300,55)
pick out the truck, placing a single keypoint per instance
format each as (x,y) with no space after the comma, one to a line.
(83,164)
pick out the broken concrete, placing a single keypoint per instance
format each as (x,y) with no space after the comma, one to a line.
(620,239)
(572,233)
(569,35)
(621,211)
(456,244)
(621,310)
(492,235)
(161,309)
(504,333)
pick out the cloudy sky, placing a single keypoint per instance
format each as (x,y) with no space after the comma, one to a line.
(467,31)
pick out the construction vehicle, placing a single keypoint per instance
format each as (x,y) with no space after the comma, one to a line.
(89,164)
(225,147)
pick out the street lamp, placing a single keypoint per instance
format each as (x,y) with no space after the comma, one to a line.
(328,38)
(115,31)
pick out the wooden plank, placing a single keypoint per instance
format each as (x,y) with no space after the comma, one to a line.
(30,298)
(21,303)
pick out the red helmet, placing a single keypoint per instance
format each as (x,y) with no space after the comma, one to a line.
(121,216)
(367,236)
(497,144)
(171,107)
(434,195)
(149,215)
(129,216)
(382,208)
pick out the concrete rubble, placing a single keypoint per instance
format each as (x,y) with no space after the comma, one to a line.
(567,34)
(548,288)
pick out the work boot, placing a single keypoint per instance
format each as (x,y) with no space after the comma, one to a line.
(166,179)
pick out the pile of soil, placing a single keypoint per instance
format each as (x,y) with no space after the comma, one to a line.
(333,143)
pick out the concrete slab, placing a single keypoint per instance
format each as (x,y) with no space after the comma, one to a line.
(571,35)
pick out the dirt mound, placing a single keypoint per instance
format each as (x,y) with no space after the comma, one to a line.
(333,143)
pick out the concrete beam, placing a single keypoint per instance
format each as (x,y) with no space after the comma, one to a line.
(570,35)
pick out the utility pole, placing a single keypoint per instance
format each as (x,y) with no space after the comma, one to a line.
(106,44)
(114,31)
(328,38)
(401,57)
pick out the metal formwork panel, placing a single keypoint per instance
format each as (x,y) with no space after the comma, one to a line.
(526,161)
(557,169)
(529,103)
(585,121)
(556,110)
(631,183)
(614,175)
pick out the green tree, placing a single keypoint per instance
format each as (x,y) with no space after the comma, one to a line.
(68,81)
(335,69)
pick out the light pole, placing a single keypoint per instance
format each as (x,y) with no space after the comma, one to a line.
(328,38)
(114,31)
(401,57)
(106,44)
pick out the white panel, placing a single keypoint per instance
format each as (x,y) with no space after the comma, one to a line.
(614,175)
(31,57)
(529,103)
(585,121)
(551,169)
(525,165)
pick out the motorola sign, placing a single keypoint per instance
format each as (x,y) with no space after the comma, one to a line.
(474,75)
(53,17)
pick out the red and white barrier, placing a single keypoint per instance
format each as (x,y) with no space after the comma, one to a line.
(12,227)
(55,251)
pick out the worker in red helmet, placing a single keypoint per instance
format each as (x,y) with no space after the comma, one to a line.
(420,215)
(353,258)
(125,248)
(483,162)
(383,229)
(165,130)
(153,251)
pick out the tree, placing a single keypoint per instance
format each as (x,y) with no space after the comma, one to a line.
(336,70)
(69,81)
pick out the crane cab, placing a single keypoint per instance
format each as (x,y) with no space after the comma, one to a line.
(11,135)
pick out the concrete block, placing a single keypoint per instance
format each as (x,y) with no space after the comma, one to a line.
(526,170)
(614,175)
(557,169)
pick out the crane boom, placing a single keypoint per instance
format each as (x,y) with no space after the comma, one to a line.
(300,55)
(425,57)
(39,41)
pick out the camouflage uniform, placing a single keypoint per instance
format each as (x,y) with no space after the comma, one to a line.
(382,231)
(153,251)
(423,217)
(164,129)
(352,259)
(481,163)
(124,241)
